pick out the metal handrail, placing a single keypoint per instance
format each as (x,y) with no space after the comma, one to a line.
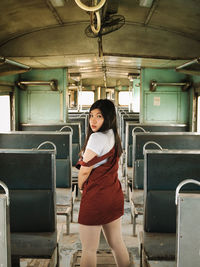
(2,184)
(4,60)
(154,84)
(138,127)
(184,182)
(66,126)
(53,84)
(47,142)
(151,142)
(196,60)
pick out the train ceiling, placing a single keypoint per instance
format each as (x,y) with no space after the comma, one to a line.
(140,33)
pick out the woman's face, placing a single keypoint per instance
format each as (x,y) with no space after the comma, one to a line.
(96,119)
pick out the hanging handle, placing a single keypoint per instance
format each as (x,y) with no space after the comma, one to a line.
(48,142)
(92,8)
(184,182)
(151,142)
(98,18)
(2,184)
(66,126)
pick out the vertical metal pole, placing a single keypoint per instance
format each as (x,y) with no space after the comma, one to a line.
(130,96)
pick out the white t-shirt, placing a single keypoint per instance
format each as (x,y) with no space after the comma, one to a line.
(101,143)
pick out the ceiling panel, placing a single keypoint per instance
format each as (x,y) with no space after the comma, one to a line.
(41,35)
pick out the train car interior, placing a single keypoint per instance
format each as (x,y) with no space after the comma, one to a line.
(57,57)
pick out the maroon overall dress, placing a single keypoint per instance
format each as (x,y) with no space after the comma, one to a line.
(102,199)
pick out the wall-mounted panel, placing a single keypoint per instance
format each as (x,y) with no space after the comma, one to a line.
(40,104)
(161,107)
(43,106)
(167,104)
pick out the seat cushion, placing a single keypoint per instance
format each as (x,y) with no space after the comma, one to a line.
(63,173)
(33,244)
(138,174)
(160,246)
(75,152)
(32,211)
(160,212)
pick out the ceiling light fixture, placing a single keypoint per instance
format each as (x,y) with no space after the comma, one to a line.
(146,3)
(83,60)
(57,3)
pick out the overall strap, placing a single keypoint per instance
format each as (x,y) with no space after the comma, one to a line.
(96,159)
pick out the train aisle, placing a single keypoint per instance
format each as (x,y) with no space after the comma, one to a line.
(70,245)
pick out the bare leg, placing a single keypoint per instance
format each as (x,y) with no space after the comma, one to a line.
(89,236)
(114,238)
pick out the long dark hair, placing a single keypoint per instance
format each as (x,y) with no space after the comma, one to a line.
(107,109)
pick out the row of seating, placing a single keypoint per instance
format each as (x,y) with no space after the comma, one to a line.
(123,117)
(30,176)
(34,161)
(188,228)
(164,170)
(158,158)
(73,127)
(60,141)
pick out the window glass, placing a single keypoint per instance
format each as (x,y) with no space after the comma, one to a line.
(86,98)
(198,114)
(4,113)
(125,98)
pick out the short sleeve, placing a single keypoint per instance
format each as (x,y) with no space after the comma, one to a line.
(96,143)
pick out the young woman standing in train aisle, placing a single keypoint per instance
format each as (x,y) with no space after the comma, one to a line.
(102,202)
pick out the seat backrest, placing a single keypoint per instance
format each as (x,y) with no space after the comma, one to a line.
(132,127)
(164,170)
(168,140)
(188,217)
(76,127)
(153,128)
(83,121)
(76,135)
(31,140)
(132,117)
(30,178)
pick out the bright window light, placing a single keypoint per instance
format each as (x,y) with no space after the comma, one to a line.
(86,98)
(125,98)
(5,113)
(198,115)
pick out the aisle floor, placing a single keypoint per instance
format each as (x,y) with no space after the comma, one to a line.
(70,245)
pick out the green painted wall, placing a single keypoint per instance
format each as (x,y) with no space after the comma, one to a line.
(168,104)
(9,78)
(39,104)
(196,79)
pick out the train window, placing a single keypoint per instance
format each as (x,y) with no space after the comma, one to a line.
(71,98)
(5,113)
(198,114)
(86,98)
(125,98)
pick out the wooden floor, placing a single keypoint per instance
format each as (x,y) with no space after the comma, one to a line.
(104,259)
(34,262)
